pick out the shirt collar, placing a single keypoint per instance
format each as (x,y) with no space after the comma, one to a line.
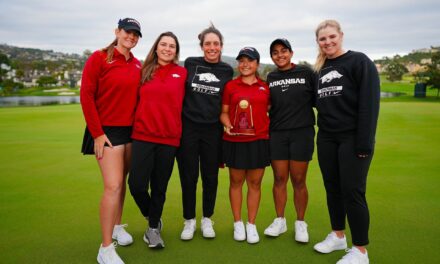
(259,81)
(116,53)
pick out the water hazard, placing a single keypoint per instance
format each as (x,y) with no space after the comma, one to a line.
(37,100)
(55,100)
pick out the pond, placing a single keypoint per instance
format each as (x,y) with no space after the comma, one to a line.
(37,100)
(54,100)
(389,94)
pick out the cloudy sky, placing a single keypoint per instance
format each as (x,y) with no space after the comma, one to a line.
(376,27)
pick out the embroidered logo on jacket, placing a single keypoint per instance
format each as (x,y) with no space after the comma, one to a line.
(175,75)
(330,76)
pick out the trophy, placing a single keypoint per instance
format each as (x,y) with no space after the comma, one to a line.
(243,121)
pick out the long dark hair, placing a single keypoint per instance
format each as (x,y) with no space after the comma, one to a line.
(151,61)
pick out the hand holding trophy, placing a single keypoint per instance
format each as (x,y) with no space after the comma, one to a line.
(243,121)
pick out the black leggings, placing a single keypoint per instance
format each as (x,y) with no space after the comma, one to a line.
(345,180)
(151,168)
(200,144)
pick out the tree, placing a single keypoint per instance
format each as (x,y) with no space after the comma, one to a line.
(87,53)
(264,71)
(395,70)
(9,86)
(45,81)
(19,73)
(38,65)
(3,60)
(305,63)
(433,72)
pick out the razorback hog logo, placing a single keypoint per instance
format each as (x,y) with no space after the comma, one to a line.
(330,76)
(207,77)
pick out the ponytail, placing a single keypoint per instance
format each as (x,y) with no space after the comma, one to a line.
(110,50)
(320,60)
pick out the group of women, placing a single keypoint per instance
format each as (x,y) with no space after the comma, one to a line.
(141,117)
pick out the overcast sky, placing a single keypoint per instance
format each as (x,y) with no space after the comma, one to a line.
(376,27)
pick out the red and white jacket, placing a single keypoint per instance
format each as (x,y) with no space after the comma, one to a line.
(109,91)
(159,112)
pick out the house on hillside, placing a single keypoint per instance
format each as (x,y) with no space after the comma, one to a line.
(426,61)
(414,67)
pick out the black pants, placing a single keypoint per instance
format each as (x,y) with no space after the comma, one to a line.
(200,144)
(151,168)
(345,180)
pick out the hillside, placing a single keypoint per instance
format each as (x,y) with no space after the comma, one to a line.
(29,54)
(420,56)
(23,56)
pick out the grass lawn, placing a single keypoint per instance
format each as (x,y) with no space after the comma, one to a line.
(50,194)
(404,87)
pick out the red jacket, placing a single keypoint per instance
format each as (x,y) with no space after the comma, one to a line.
(159,112)
(109,91)
(258,95)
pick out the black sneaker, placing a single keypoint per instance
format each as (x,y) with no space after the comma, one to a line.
(153,239)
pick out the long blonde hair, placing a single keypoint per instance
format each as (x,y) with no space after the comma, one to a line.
(151,61)
(320,59)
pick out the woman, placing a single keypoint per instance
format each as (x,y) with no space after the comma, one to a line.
(156,131)
(201,137)
(291,135)
(245,140)
(348,105)
(109,88)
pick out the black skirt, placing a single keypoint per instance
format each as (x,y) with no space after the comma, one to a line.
(246,155)
(118,135)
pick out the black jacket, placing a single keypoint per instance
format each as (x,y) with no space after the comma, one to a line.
(292,95)
(348,95)
(204,88)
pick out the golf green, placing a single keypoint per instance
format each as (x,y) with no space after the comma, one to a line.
(49,198)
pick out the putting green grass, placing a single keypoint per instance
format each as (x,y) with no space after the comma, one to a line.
(49,198)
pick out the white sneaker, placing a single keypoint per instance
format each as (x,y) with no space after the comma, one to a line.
(188,229)
(108,255)
(120,235)
(301,234)
(239,231)
(354,256)
(252,233)
(277,227)
(331,243)
(207,229)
